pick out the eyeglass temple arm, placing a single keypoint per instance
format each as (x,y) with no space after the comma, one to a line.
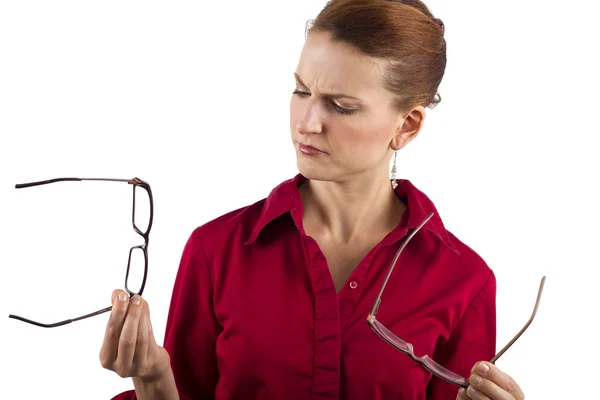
(30,184)
(537,303)
(65,322)
(375,307)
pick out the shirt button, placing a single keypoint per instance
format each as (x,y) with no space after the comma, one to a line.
(353,285)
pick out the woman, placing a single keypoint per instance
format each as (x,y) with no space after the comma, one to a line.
(271,301)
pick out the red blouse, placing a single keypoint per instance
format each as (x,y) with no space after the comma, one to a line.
(255,314)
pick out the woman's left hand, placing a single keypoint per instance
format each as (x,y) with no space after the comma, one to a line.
(487,382)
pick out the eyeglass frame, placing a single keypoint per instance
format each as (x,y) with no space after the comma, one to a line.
(136,182)
(426,362)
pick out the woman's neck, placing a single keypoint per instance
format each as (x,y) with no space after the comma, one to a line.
(348,211)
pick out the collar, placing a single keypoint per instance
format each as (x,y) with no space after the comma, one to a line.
(285,198)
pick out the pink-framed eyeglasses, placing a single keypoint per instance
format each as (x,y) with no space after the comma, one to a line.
(407,348)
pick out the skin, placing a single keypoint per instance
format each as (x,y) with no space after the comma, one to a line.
(130,350)
(488,382)
(347,199)
(352,178)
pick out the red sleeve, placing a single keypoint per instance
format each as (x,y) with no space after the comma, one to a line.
(473,340)
(192,328)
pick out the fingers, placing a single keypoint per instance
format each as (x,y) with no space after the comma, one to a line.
(473,394)
(112,334)
(129,347)
(486,379)
(125,345)
(462,395)
(129,335)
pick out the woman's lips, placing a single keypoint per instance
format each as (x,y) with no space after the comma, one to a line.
(309,150)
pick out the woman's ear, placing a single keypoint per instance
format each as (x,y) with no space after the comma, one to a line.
(409,126)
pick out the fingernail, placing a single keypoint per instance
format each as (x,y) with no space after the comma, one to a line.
(122,296)
(136,299)
(477,379)
(483,368)
(472,390)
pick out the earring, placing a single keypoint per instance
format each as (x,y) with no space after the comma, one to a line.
(393,180)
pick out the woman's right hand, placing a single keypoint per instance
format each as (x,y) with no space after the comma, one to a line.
(129,347)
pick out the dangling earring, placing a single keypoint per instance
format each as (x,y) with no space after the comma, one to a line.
(393,180)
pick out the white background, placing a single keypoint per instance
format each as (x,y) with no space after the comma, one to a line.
(193,97)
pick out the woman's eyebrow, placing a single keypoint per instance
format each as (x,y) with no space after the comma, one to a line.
(329,95)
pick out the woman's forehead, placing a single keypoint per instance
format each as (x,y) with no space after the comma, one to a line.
(333,66)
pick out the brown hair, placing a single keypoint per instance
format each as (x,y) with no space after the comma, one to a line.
(404,32)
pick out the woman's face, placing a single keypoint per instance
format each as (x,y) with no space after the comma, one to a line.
(341,109)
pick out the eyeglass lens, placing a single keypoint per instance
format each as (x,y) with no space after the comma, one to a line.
(141,209)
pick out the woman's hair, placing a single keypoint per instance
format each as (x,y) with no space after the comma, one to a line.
(403,32)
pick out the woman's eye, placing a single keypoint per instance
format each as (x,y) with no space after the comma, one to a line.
(341,109)
(301,94)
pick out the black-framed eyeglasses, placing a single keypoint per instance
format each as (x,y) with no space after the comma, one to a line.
(407,348)
(142,217)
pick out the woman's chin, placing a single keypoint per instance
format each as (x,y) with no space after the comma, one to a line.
(315,172)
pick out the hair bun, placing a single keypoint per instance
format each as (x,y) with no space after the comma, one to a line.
(441,24)
(419,5)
